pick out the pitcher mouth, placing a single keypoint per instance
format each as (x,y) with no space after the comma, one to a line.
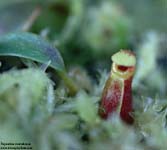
(124,63)
(123,72)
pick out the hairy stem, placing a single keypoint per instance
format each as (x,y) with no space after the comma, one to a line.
(72,87)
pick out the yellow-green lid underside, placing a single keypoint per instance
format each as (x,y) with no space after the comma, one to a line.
(124,58)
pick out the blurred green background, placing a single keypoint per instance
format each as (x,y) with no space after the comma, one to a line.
(88,32)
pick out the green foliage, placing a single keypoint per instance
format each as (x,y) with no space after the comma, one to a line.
(31,46)
(73,123)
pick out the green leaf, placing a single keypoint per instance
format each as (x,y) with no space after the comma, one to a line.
(31,46)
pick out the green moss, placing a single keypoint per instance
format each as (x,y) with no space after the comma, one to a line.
(74,122)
